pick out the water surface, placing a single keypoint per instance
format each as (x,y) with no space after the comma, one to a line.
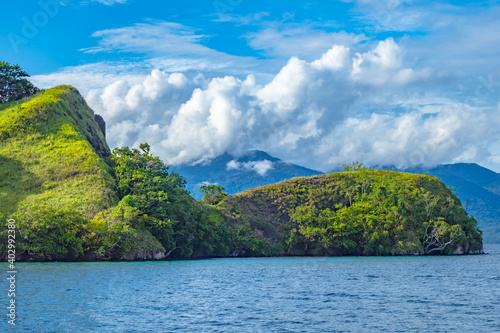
(340,294)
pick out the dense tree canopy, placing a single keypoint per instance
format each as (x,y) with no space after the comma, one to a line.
(184,227)
(357,212)
(13,83)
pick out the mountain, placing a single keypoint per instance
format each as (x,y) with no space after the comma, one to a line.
(362,212)
(478,188)
(238,173)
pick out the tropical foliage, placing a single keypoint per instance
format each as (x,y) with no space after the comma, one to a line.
(72,199)
(213,194)
(357,212)
(13,85)
(184,227)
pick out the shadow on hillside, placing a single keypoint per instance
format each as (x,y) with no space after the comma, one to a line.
(15,184)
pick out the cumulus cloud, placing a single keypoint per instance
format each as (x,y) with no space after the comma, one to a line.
(344,106)
(454,133)
(260,167)
(130,110)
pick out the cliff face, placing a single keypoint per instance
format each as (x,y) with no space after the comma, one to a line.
(356,213)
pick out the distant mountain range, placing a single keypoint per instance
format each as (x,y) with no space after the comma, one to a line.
(239,173)
(477,187)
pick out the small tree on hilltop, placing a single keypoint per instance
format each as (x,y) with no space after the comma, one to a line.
(13,85)
(355,166)
(213,193)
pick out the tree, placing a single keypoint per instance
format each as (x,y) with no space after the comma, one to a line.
(439,235)
(213,193)
(355,166)
(13,85)
(184,227)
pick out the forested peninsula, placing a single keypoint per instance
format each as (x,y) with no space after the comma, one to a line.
(73,199)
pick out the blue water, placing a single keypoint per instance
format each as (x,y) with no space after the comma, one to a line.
(348,294)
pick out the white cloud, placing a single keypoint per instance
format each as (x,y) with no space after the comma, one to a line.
(370,106)
(159,36)
(253,18)
(260,167)
(133,108)
(87,2)
(456,133)
(99,75)
(384,65)
(169,47)
(91,76)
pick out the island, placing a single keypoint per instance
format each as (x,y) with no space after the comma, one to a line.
(70,198)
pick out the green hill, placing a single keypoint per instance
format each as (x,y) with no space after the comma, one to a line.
(53,152)
(360,212)
(73,199)
(479,190)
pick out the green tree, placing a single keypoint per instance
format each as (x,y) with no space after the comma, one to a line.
(49,232)
(183,226)
(440,235)
(13,85)
(355,166)
(213,193)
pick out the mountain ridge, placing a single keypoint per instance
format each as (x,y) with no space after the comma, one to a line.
(244,173)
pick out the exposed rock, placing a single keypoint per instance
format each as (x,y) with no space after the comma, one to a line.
(102,124)
(459,250)
(143,255)
(159,256)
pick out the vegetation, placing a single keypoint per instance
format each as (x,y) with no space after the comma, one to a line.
(213,194)
(357,212)
(72,199)
(55,173)
(13,85)
(184,227)
(479,190)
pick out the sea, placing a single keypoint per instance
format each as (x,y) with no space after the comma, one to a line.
(286,294)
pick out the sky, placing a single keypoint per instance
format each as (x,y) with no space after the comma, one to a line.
(316,83)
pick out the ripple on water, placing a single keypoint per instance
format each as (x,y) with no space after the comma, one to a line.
(263,295)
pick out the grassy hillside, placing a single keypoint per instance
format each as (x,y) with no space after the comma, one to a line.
(73,199)
(353,213)
(53,152)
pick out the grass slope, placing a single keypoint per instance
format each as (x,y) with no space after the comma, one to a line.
(52,152)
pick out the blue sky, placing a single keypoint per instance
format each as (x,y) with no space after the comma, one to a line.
(319,83)
(60,41)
